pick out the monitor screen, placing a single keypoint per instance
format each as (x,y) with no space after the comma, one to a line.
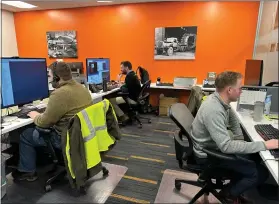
(97,69)
(23,81)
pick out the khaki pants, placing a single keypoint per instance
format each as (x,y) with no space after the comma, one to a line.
(119,100)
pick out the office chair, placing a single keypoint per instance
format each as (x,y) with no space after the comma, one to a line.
(274,83)
(58,170)
(183,118)
(143,100)
(144,75)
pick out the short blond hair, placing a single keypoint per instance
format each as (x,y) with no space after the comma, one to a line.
(225,79)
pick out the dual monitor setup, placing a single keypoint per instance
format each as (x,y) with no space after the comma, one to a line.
(24,80)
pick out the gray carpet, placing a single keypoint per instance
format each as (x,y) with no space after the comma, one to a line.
(147,152)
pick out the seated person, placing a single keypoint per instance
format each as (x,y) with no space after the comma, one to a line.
(68,98)
(131,86)
(209,129)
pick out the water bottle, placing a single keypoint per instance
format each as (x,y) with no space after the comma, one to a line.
(267,105)
(258,111)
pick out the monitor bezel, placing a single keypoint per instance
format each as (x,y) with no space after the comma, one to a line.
(90,58)
(22,104)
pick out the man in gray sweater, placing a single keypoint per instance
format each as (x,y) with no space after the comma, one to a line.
(216,127)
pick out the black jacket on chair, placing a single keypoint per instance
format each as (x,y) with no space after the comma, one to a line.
(132,86)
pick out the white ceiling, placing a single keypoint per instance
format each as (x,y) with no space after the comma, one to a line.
(51,4)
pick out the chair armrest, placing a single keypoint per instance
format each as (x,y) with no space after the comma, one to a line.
(123,94)
(144,96)
(44,130)
(219,155)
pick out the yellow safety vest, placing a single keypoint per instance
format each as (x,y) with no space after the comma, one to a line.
(94,132)
(204,98)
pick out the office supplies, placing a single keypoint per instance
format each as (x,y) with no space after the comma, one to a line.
(158,80)
(97,69)
(93,88)
(24,80)
(209,82)
(164,84)
(253,73)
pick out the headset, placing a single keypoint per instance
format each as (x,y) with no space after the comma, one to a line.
(56,78)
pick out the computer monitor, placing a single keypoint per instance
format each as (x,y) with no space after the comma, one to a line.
(23,80)
(253,73)
(97,69)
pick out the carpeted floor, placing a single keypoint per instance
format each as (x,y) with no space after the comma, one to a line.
(147,152)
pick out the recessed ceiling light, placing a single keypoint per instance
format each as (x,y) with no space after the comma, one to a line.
(104,1)
(19,4)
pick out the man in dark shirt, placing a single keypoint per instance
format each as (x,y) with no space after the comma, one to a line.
(131,86)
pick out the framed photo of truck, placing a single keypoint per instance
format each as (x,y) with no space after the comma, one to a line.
(175,43)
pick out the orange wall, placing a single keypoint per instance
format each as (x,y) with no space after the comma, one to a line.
(226,33)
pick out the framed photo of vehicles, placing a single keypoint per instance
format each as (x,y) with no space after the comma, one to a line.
(172,43)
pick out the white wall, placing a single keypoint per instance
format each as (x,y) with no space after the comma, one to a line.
(8,35)
(267,42)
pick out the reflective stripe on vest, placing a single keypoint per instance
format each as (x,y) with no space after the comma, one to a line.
(96,138)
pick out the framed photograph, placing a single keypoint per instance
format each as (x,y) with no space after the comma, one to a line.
(62,44)
(173,43)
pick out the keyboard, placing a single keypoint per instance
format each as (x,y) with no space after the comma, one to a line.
(165,84)
(23,113)
(268,132)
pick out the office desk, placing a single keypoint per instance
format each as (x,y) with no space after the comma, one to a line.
(182,93)
(153,86)
(102,94)
(248,123)
(20,122)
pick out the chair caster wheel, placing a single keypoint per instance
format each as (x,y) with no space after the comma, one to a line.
(177,186)
(48,188)
(105,172)
(149,121)
(79,192)
(140,126)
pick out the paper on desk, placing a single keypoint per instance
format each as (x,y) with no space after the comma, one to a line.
(250,97)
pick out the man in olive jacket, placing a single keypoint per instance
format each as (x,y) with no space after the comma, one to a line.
(68,98)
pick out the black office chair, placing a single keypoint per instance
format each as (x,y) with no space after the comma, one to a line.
(58,170)
(183,118)
(134,109)
(144,75)
(274,83)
